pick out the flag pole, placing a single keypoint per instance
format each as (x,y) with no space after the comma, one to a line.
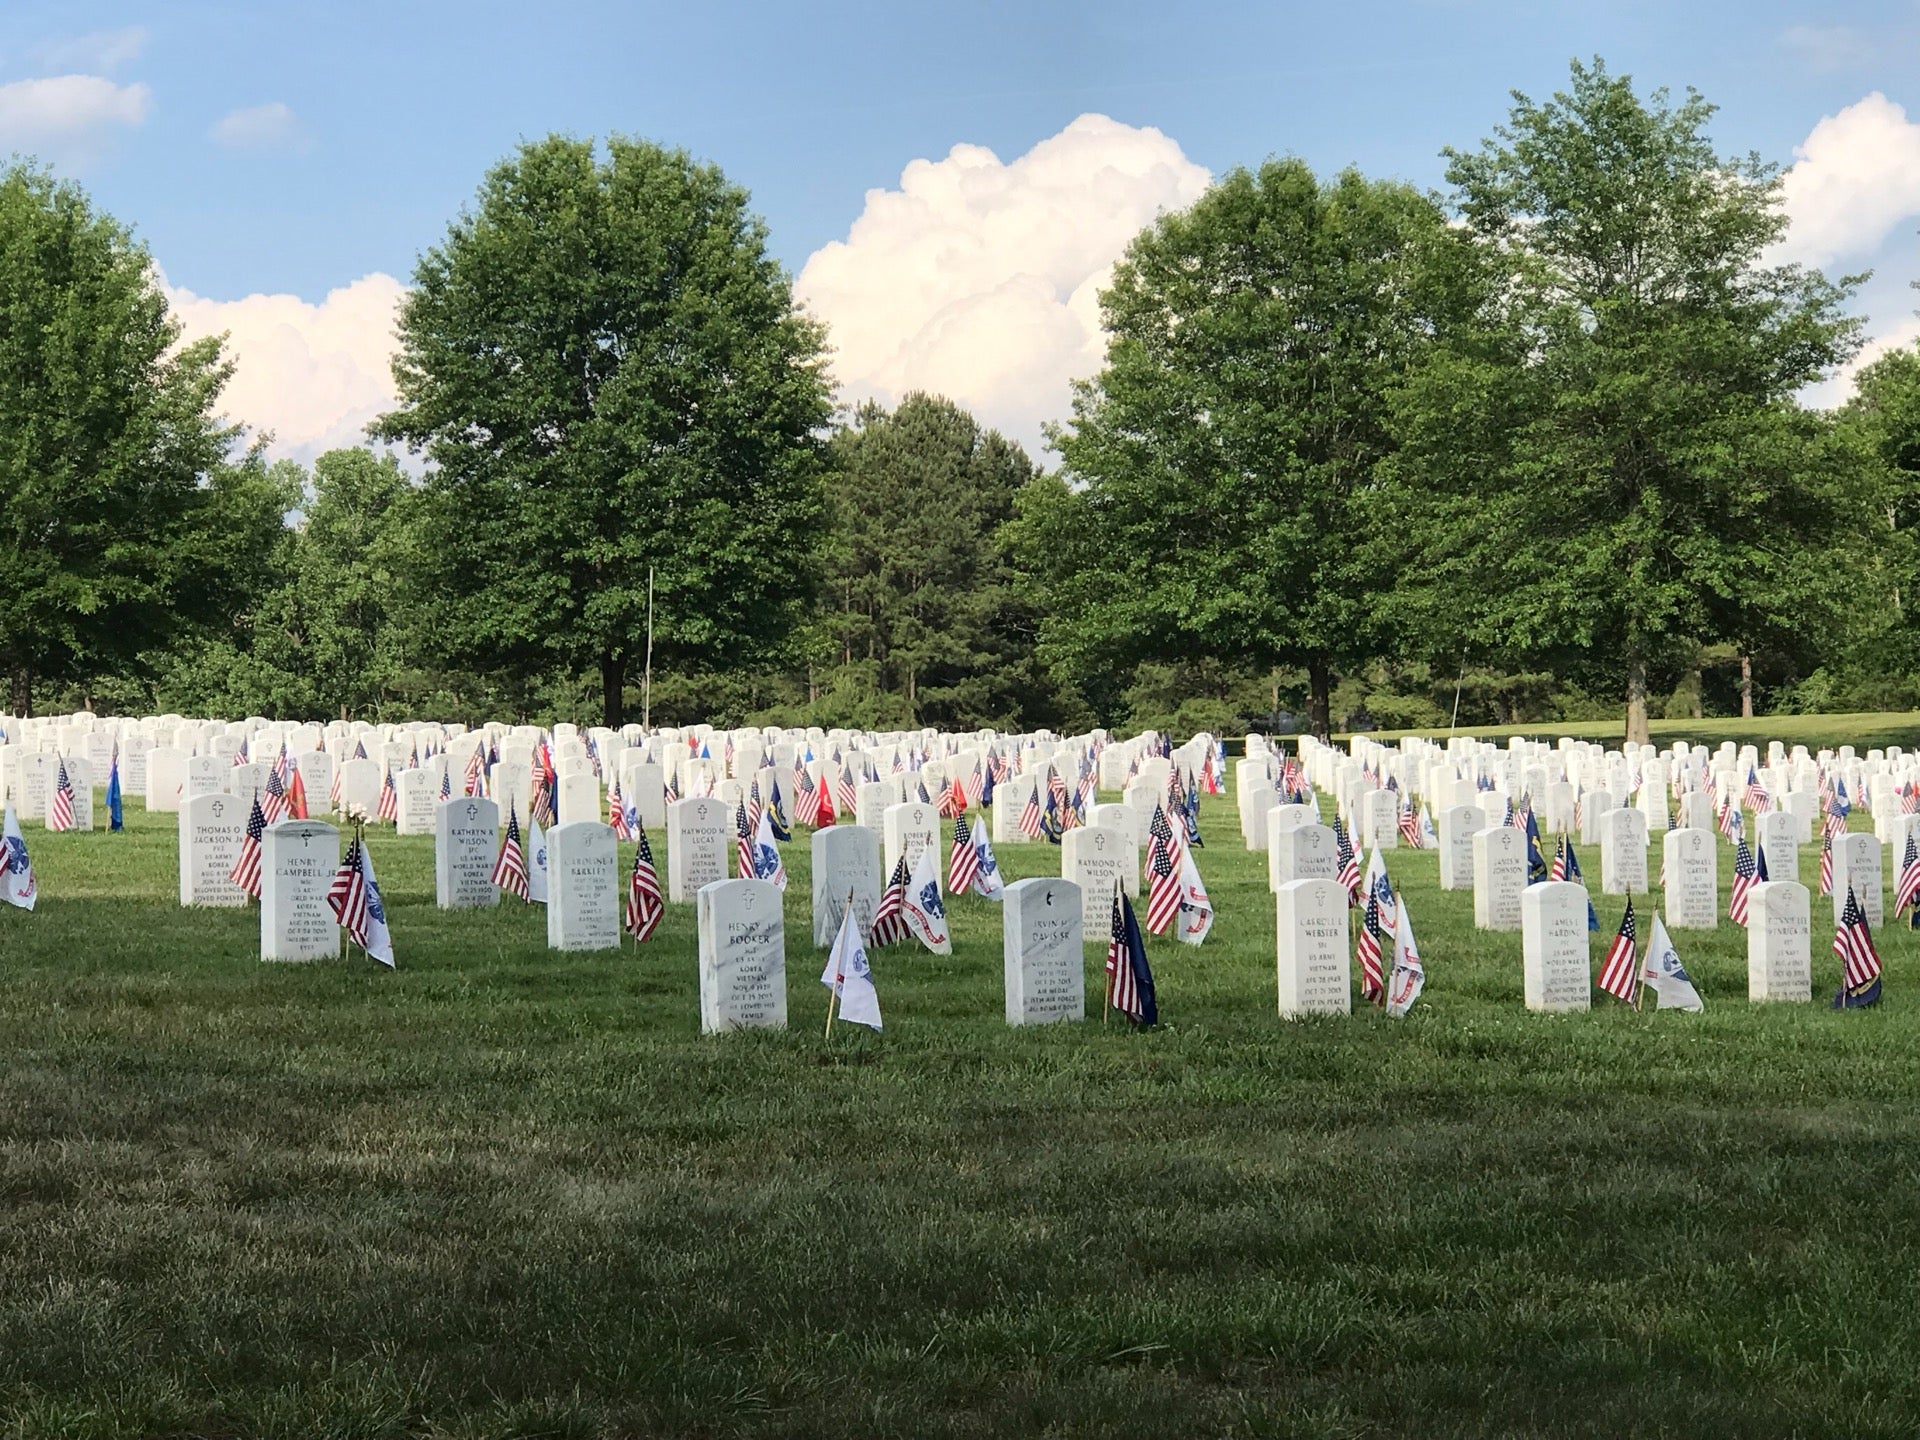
(646,690)
(838,978)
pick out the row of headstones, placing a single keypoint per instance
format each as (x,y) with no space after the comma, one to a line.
(1493,862)
(1315,974)
(1533,767)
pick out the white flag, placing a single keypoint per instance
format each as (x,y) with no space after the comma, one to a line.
(1373,880)
(766,854)
(1664,972)
(923,911)
(16,882)
(377,942)
(536,863)
(1408,977)
(1429,837)
(850,977)
(1196,909)
(987,880)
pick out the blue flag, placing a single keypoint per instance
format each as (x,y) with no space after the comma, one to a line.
(1129,977)
(113,792)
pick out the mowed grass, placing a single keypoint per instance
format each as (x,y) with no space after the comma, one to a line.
(1864,731)
(509,1192)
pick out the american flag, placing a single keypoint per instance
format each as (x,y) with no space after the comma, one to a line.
(964,865)
(389,799)
(1731,825)
(1057,792)
(540,809)
(1409,826)
(510,867)
(1758,800)
(1129,981)
(1907,889)
(1619,974)
(1163,879)
(1837,812)
(1348,861)
(1372,932)
(889,916)
(474,770)
(1745,873)
(617,813)
(274,804)
(1909,799)
(1561,856)
(1826,864)
(644,906)
(347,896)
(742,841)
(844,793)
(1030,814)
(446,784)
(62,816)
(806,797)
(246,865)
(1853,943)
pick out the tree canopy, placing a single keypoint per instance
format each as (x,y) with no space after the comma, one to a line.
(124,524)
(1228,447)
(920,579)
(1625,470)
(611,379)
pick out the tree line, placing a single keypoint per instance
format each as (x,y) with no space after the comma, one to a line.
(1532,449)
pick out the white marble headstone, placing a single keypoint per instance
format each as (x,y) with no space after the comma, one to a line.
(1779,941)
(1554,946)
(1315,973)
(466,841)
(743,956)
(845,858)
(583,887)
(1691,867)
(1044,963)
(211,829)
(297,861)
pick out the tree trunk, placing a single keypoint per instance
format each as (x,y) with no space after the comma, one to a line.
(1746,687)
(1699,687)
(613,688)
(1637,699)
(1320,698)
(22,692)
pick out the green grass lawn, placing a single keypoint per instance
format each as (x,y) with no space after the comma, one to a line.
(1866,731)
(506,1192)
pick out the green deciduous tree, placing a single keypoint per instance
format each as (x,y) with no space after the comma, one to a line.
(120,516)
(1228,447)
(609,375)
(1618,465)
(920,583)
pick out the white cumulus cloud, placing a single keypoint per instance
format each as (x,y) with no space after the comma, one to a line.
(259,127)
(1854,178)
(313,375)
(978,278)
(67,118)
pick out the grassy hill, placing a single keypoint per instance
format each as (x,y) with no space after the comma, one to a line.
(507,1192)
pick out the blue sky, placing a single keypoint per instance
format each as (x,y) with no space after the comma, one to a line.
(288,150)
